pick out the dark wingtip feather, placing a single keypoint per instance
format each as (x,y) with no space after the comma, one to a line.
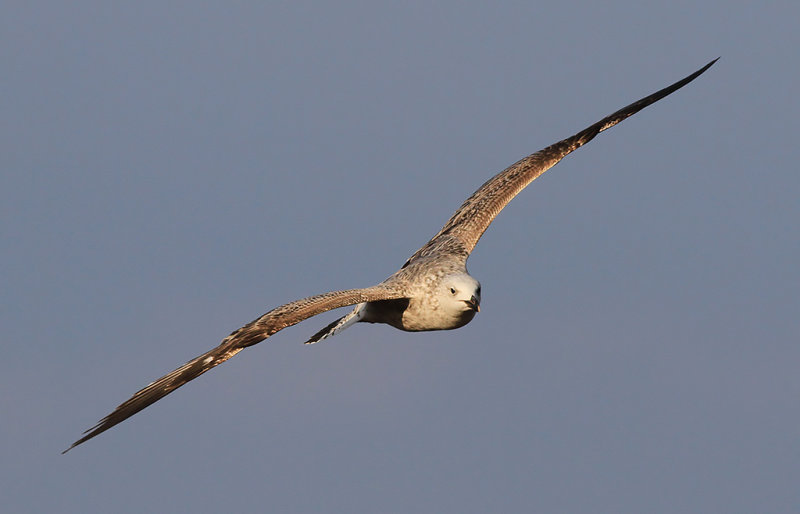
(159,389)
(257,330)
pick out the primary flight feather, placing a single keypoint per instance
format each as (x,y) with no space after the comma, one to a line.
(432,291)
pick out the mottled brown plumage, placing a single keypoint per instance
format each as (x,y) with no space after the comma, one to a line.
(475,215)
(432,291)
(257,330)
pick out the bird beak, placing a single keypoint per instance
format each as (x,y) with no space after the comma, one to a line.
(474,304)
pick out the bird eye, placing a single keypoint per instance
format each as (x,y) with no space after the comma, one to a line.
(452,290)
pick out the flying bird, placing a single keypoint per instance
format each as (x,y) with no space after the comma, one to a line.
(431,291)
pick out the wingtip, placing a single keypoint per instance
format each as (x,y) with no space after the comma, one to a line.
(73,445)
(704,68)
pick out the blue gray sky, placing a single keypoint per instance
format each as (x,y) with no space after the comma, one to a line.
(172,170)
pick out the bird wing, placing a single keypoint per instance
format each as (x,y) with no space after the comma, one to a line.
(254,332)
(462,232)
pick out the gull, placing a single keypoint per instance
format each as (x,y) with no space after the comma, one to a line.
(431,291)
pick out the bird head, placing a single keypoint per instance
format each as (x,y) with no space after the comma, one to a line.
(461,292)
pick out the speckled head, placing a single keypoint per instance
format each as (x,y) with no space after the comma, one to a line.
(459,297)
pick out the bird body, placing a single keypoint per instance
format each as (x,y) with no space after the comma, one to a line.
(431,291)
(439,294)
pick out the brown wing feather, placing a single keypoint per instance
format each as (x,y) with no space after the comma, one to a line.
(472,219)
(254,332)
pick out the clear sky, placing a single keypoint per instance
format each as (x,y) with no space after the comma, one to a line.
(172,170)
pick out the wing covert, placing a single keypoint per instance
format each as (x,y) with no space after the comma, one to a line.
(475,215)
(252,333)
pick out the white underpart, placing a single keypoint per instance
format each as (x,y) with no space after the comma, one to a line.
(353,317)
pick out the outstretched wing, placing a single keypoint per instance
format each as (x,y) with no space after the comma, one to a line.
(250,334)
(462,232)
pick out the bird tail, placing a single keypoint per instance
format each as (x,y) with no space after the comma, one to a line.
(340,324)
